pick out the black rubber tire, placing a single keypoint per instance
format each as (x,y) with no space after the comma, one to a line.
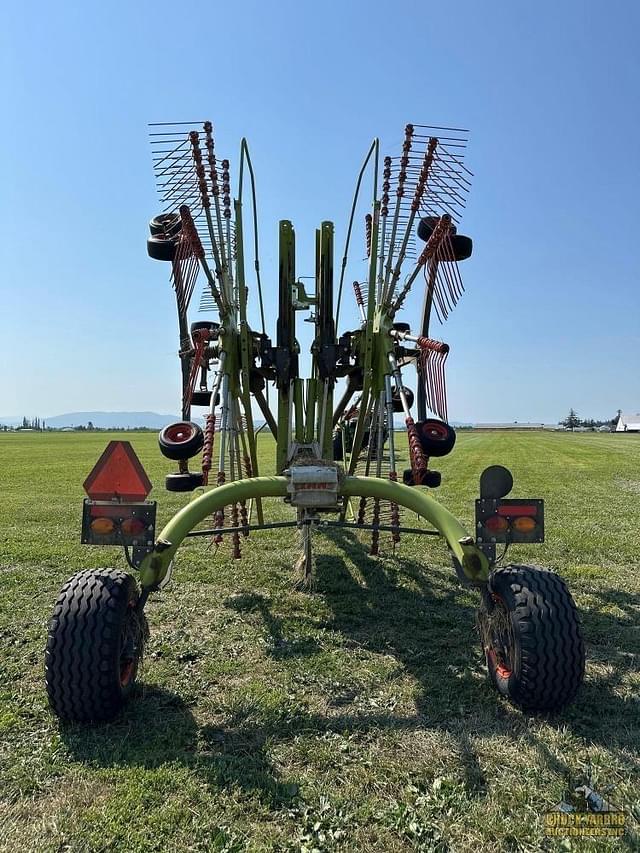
(426,226)
(94,646)
(462,247)
(210,325)
(161,249)
(530,632)
(432,479)
(338,450)
(183,482)
(181,440)
(437,438)
(201,398)
(168,224)
(396,402)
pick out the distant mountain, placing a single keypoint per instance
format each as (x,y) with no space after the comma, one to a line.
(110,420)
(101,420)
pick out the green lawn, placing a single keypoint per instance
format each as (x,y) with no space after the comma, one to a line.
(354,717)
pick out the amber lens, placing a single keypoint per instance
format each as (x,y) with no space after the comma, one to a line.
(103,526)
(524,524)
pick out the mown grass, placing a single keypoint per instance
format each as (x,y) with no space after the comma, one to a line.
(354,717)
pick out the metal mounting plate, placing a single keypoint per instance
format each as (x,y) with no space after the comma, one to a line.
(118,513)
(510,510)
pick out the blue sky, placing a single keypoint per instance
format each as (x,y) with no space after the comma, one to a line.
(550,316)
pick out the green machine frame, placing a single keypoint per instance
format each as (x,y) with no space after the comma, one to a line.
(336,461)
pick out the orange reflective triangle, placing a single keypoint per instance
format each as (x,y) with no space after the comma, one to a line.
(118,474)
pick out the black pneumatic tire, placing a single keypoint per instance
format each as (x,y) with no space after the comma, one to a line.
(432,479)
(462,247)
(426,226)
(187,482)
(169,224)
(95,643)
(162,248)
(396,402)
(531,636)
(437,438)
(209,325)
(181,440)
(201,398)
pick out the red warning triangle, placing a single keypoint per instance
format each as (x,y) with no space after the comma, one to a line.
(118,474)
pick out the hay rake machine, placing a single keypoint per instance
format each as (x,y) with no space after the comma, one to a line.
(338,455)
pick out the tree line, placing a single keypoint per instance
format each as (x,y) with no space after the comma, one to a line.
(39,425)
(573,420)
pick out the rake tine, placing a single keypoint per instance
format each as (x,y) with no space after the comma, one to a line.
(415,205)
(402,175)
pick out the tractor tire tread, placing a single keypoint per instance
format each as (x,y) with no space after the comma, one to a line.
(83,643)
(547,627)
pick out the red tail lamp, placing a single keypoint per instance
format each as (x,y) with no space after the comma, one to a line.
(114,523)
(132,526)
(513,510)
(509,520)
(496,524)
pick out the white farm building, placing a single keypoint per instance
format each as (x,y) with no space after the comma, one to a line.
(628,423)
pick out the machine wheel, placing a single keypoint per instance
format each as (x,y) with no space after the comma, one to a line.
(396,402)
(169,224)
(530,632)
(183,482)
(437,438)
(95,643)
(426,226)
(338,450)
(209,325)
(431,479)
(181,440)
(162,249)
(201,398)
(462,247)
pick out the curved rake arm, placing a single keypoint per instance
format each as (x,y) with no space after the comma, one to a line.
(244,156)
(474,563)
(375,145)
(154,567)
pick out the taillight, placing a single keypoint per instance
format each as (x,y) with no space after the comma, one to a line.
(102,526)
(516,510)
(524,524)
(132,527)
(508,520)
(496,524)
(111,523)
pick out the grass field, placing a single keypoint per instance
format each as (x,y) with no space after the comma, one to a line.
(357,717)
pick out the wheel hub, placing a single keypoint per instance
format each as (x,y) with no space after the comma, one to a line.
(498,637)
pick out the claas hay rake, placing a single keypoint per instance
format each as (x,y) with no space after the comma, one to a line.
(338,449)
